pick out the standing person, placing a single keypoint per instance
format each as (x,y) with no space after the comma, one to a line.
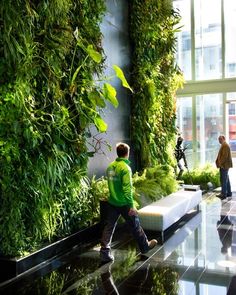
(224,162)
(120,202)
(179,155)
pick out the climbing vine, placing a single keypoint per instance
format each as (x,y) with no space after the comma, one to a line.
(155,79)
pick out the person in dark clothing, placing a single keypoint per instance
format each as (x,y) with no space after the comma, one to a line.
(180,156)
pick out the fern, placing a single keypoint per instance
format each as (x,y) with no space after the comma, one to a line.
(202,176)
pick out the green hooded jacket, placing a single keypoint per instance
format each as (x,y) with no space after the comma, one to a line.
(119,177)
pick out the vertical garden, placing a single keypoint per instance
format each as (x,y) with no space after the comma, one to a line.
(155,79)
(51,64)
(50,53)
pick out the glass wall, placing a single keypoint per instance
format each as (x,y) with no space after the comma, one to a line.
(230,40)
(206,54)
(184,118)
(231,103)
(184,39)
(209,114)
(208,60)
(184,123)
(200,120)
(211,32)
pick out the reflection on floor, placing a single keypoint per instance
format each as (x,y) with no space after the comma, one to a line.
(198,259)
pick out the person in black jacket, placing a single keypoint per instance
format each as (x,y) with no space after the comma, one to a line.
(180,155)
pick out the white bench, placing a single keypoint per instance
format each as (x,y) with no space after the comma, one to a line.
(162,214)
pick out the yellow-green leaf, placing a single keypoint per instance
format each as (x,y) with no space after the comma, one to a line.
(100,124)
(75,75)
(109,93)
(95,55)
(121,76)
(96,99)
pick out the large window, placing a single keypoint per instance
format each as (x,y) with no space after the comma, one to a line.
(184,38)
(208,60)
(207,41)
(206,53)
(209,118)
(231,104)
(230,40)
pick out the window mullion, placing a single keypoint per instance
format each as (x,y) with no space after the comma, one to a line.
(194,129)
(193,41)
(225,116)
(223,38)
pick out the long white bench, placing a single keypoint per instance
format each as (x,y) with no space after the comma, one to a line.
(162,214)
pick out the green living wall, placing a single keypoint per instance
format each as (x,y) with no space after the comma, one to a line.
(50,59)
(155,79)
(50,54)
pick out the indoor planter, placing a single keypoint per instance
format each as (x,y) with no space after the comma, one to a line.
(11,267)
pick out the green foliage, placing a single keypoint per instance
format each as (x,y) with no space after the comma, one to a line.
(100,192)
(154,183)
(51,62)
(99,188)
(77,206)
(51,284)
(164,281)
(151,185)
(202,176)
(50,55)
(155,79)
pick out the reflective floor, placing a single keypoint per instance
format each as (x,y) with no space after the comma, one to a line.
(199,258)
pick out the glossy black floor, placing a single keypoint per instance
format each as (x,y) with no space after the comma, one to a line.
(199,258)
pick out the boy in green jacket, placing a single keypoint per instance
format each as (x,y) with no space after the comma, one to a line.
(120,202)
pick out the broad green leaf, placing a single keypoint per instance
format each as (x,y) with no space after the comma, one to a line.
(95,97)
(109,93)
(121,76)
(95,55)
(100,124)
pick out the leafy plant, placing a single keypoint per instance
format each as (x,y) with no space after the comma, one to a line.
(155,79)
(99,188)
(100,192)
(202,176)
(164,281)
(51,64)
(154,183)
(52,91)
(150,185)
